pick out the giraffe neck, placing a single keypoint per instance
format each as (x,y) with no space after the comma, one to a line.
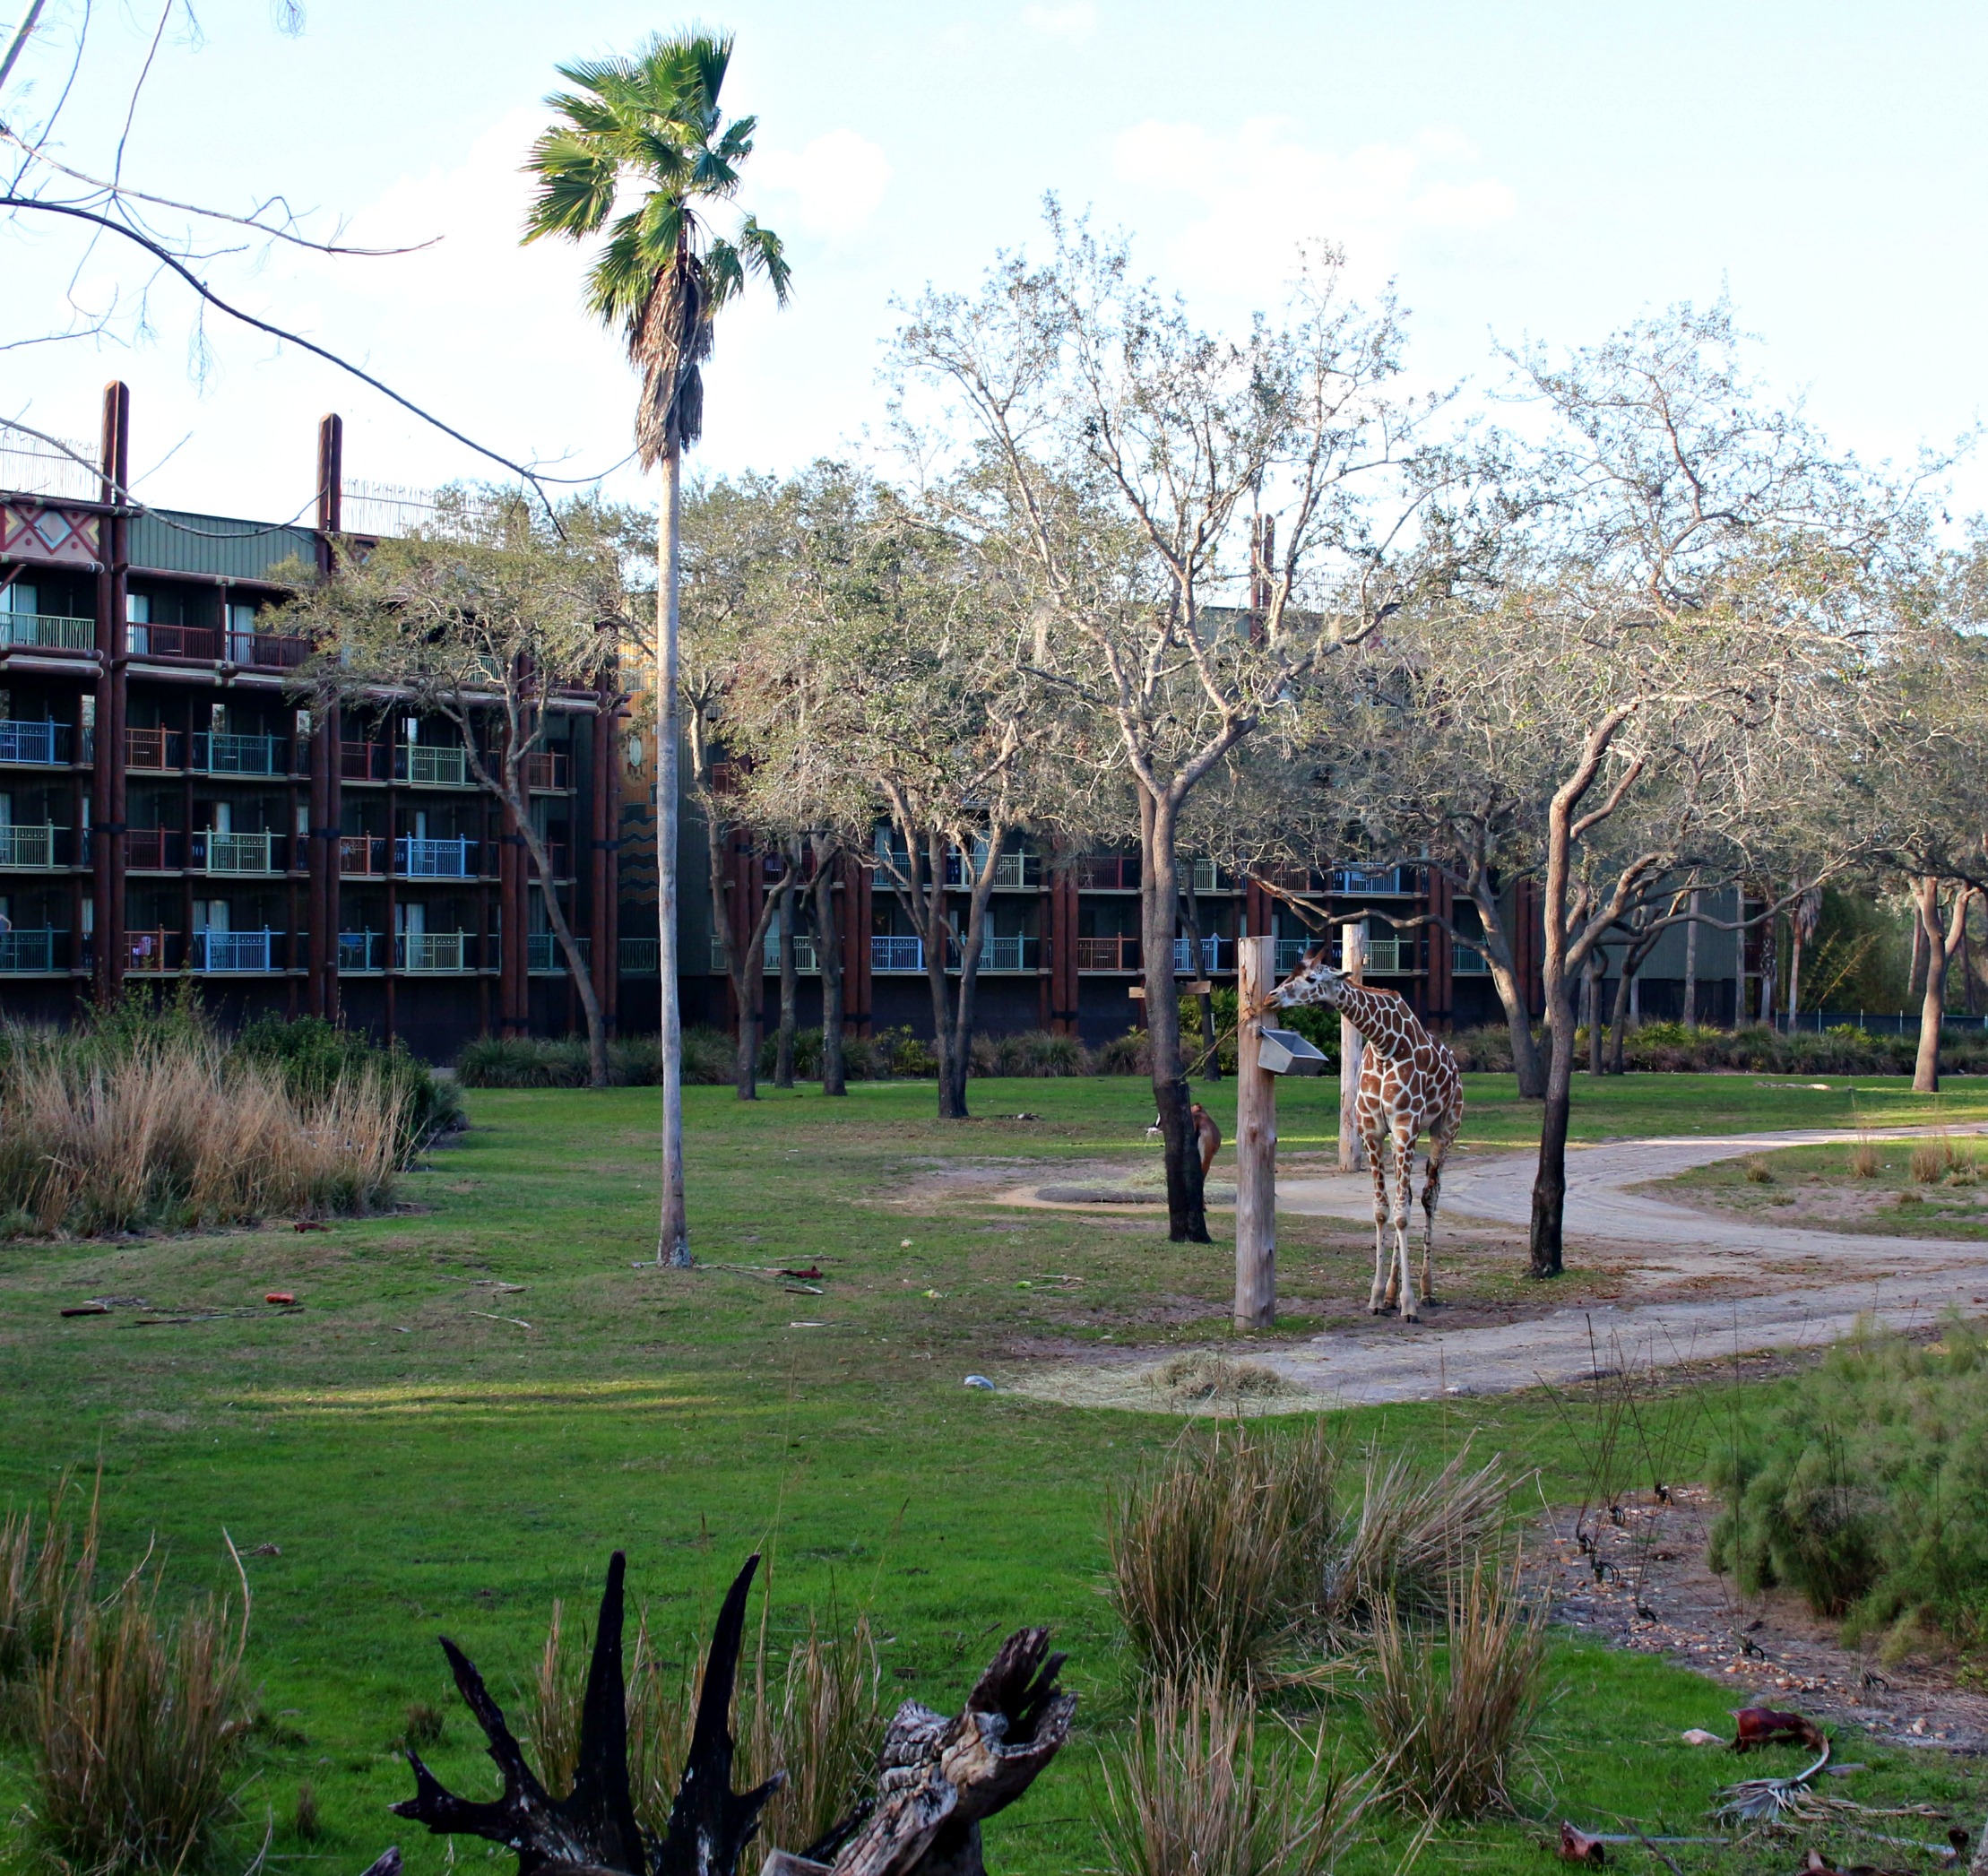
(1385,1021)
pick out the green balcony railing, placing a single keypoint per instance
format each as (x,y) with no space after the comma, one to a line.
(50,631)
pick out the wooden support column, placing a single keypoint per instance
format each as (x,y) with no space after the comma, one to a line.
(857,977)
(1442,983)
(1255,1141)
(107,834)
(1353,960)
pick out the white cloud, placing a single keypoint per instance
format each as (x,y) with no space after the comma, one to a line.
(836,183)
(1262,192)
(1075,21)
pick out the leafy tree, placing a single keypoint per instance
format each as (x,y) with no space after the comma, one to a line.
(482,616)
(650,126)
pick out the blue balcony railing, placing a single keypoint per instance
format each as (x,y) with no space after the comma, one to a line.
(33,742)
(432,859)
(25,953)
(234,950)
(217,755)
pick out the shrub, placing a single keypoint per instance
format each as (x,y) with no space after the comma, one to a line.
(1030,1052)
(1757,1171)
(313,1057)
(1865,1488)
(1214,1550)
(1937,1159)
(176,1132)
(1125,1054)
(1453,1713)
(1193,1795)
(140,1724)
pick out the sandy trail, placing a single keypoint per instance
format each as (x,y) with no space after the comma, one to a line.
(1803,1287)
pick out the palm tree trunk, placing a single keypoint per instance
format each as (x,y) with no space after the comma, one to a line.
(673,1237)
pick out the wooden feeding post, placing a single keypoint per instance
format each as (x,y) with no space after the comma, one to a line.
(1261,1056)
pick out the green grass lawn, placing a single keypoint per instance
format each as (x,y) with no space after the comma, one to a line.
(1827,1189)
(427,1463)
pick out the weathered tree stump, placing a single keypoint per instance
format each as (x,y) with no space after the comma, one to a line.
(937,1779)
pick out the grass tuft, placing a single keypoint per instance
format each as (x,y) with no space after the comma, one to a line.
(1454,1710)
(1759,1172)
(1194,1794)
(140,1724)
(1202,1376)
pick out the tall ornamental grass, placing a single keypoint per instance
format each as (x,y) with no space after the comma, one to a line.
(173,1132)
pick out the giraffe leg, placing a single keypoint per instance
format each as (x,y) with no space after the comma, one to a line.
(1382,1293)
(1405,1176)
(1439,1136)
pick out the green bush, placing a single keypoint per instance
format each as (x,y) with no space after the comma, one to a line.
(1865,1489)
(314,1055)
(1030,1052)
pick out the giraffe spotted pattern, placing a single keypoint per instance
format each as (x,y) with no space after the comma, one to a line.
(1409,1084)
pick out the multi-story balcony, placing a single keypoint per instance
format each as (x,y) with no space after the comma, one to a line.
(542,953)
(547,769)
(153,950)
(1126,955)
(1465,962)
(1013,872)
(642,958)
(214,853)
(361,951)
(268,651)
(34,849)
(218,755)
(153,748)
(1358,880)
(362,856)
(1108,873)
(49,632)
(229,951)
(415,859)
(364,761)
(1390,956)
(430,764)
(893,952)
(27,953)
(155,850)
(44,744)
(433,953)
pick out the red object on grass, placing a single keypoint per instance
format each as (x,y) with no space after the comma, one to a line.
(279,1296)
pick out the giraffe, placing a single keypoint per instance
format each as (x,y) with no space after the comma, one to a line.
(1409,1083)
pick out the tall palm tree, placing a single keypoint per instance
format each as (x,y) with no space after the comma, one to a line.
(648,130)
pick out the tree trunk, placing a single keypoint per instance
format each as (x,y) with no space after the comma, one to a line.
(1941,941)
(520,805)
(929,894)
(789,981)
(1159,912)
(1511,993)
(748,974)
(1691,964)
(1770,967)
(1619,1019)
(1210,1064)
(973,946)
(673,1236)
(1550,1183)
(829,951)
(1591,995)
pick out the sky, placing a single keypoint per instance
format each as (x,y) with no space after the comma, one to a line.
(1516,169)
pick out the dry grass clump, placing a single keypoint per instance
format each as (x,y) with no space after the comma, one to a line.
(173,1133)
(1865,1161)
(1453,1711)
(1195,1795)
(819,1717)
(1412,1538)
(1937,1159)
(1215,1550)
(1757,1171)
(139,1726)
(1203,1376)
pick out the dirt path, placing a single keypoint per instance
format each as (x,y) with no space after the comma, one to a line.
(1700,1286)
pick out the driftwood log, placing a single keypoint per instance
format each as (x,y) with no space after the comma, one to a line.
(937,1779)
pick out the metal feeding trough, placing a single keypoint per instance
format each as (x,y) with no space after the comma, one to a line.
(1284,1052)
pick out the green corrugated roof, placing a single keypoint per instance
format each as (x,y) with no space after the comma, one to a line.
(171,540)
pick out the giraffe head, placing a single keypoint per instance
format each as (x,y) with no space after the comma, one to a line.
(1313,981)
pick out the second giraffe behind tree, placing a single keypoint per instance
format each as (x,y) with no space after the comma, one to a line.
(1409,1084)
